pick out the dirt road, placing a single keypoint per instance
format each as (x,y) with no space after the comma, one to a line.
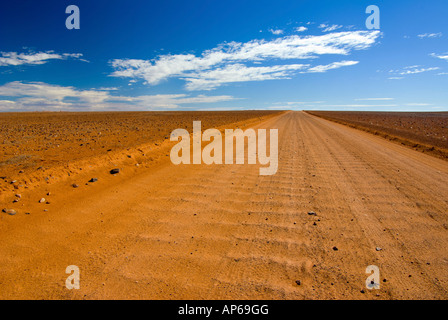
(225,232)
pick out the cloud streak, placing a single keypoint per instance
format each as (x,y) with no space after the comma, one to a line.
(200,72)
(36,58)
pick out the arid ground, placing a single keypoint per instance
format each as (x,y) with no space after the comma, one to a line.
(423,131)
(160,231)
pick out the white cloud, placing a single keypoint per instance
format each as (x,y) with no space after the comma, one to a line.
(418,104)
(374,99)
(208,80)
(34,58)
(413,70)
(334,65)
(220,59)
(276,31)
(301,29)
(430,35)
(328,28)
(43,96)
(440,56)
(395,78)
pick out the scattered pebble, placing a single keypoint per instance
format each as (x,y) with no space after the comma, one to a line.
(115,171)
(378,249)
(93,180)
(311,213)
(75,185)
(11,212)
(298,282)
(42,200)
(18,195)
(335,248)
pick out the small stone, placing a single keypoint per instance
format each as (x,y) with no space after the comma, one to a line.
(18,195)
(115,171)
(16,200)
(314,224)
(378,249)
(42,200)
(11,212)
(311,213)
(298,282)
(48,193)
(93,180)
(335,248)
(75,185)
(362,291)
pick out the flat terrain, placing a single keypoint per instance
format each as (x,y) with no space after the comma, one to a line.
(423,131)
(225,232)
(42,147)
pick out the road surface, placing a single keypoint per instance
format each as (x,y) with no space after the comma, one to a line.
(225,232)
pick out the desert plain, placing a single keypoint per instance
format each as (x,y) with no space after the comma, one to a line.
(342,199)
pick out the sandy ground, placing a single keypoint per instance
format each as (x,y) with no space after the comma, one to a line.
(225,232)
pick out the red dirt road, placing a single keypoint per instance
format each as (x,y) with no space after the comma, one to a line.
(225,232)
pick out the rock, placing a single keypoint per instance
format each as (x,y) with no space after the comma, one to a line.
(115,171)
(378,249)
(335,248)
(19,195)
(298,282)
(11,212)
(312,213)
(42,200)
(75,185)
(93,180)
(48,193)
(16,200)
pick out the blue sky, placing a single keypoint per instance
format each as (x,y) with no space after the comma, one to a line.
(224,55)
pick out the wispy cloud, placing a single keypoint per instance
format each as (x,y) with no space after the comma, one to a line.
(201,72)
(328,28)
(374,99)
(440,56)
(334,65)
(418,104)
(34,58)
(430,35)
(276,31)
(42,96)
(208,80)
(413,70)
(301,29)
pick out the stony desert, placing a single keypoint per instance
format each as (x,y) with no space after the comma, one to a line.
(341,200)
